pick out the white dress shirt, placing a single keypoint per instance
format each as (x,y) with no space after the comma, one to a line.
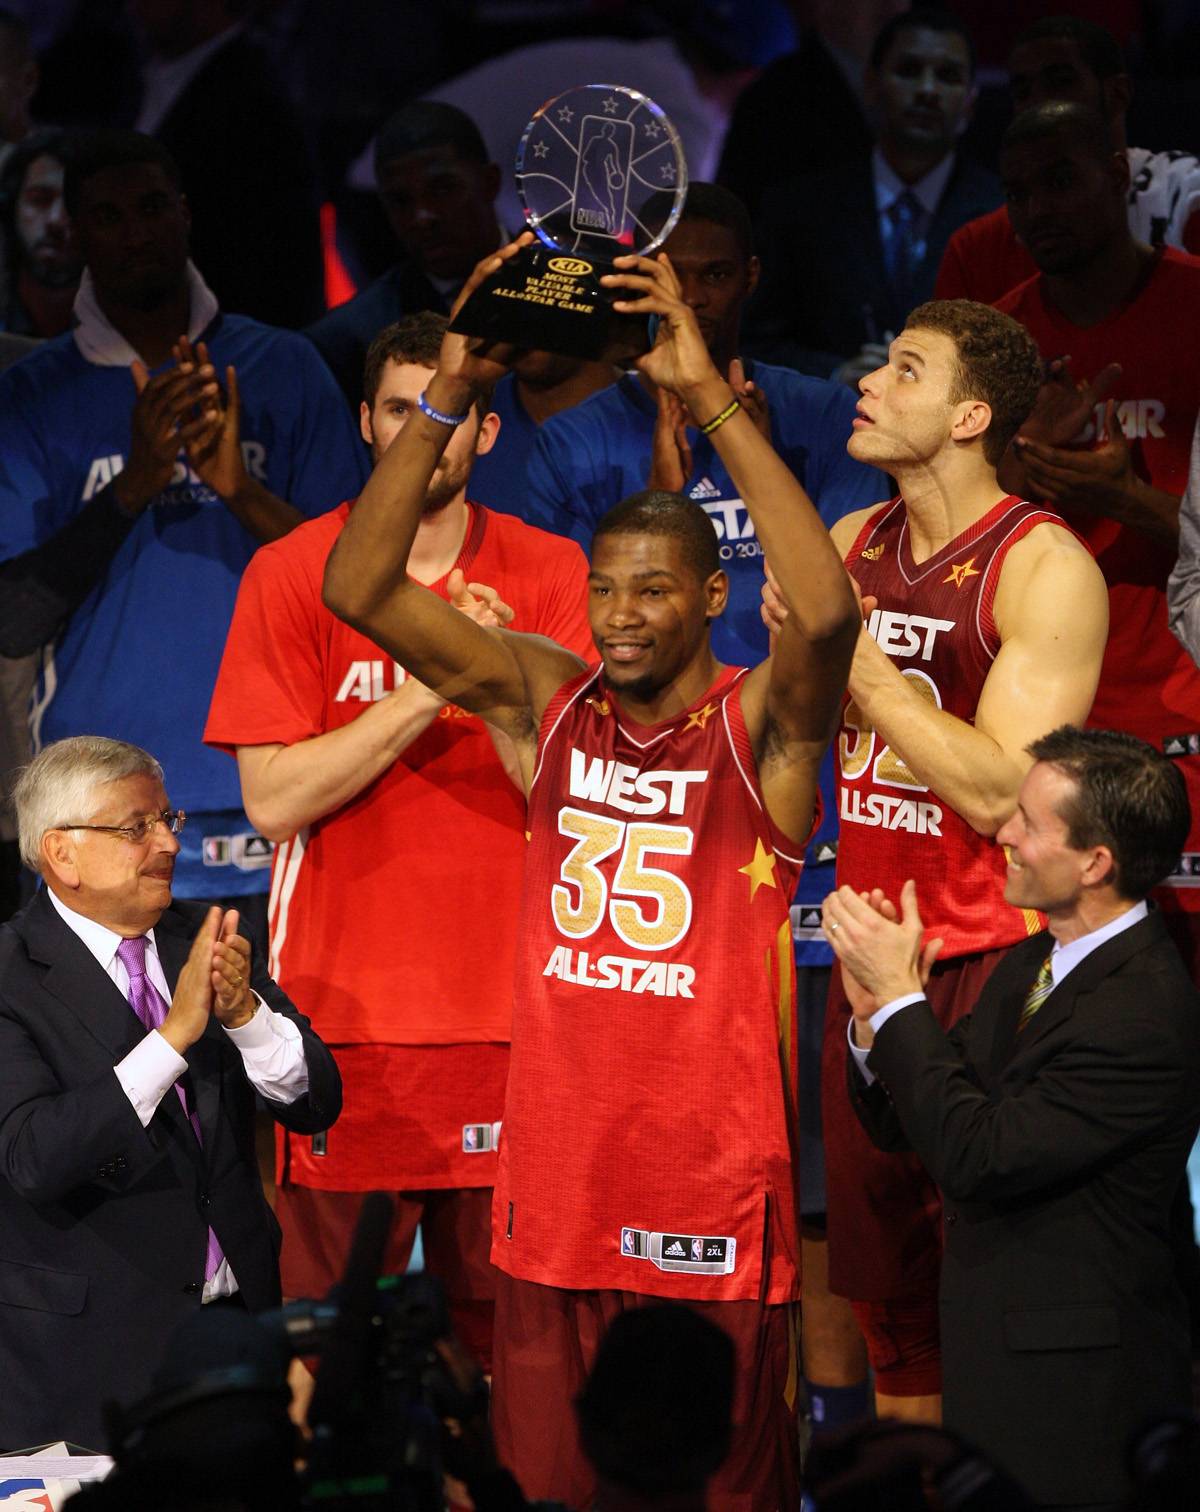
(1063,959)
(270,1045)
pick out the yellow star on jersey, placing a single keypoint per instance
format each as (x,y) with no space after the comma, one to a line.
(761,870)
(698,718)
(961,571)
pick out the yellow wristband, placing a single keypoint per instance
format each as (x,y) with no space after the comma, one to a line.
(717,421)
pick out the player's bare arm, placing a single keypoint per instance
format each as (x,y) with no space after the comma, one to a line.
(790,702)
(285,787)
(1051,615)
(506,677)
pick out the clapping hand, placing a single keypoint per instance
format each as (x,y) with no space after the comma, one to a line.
(214,449)
(880,950)
(233,1001)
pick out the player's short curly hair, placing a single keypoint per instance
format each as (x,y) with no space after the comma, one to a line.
(657,512)
(416,339)
(998,362)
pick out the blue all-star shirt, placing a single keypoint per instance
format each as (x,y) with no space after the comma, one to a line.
(138,659)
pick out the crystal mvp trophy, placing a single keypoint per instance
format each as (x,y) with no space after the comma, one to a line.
(600,172)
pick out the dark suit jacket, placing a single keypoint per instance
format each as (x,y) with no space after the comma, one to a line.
(1059,1151)
(799,116)
(824,289)
(249,179)
(103,1224)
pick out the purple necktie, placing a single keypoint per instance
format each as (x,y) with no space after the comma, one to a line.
(147,1002)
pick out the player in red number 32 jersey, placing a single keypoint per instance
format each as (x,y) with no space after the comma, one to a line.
(646,1145)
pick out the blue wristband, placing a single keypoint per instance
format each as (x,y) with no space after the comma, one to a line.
(426,408)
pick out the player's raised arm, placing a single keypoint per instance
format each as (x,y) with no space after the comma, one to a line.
(791,701)
(485,670)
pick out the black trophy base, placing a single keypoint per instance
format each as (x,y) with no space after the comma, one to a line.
(544,300)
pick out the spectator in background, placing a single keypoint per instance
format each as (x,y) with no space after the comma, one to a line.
(808,111)
(1183,587)
(1105,311)
(18,82)
(133,494)
(439,190)
(16,683)
(210,97)
(541,385)
(384,799)
(696,73)
(1071,59)
(628,436)
(849,250)
(41,255)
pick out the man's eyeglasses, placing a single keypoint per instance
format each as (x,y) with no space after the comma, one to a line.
(140,829)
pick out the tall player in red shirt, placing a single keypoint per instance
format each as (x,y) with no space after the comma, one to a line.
(1119,315)
(985,621)
(375,789)
(649,1116)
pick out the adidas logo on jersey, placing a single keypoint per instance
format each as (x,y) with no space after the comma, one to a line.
(674,1248)
(705,489)
(872,553)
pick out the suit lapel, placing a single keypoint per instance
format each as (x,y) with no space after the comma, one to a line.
(1090,972)
(77,980)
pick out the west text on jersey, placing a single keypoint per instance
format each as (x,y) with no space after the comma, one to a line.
(620,786)
(901,634)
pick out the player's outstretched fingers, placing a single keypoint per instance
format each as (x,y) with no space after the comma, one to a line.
(503,613)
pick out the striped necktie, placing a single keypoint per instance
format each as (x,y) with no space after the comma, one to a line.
(1043,986)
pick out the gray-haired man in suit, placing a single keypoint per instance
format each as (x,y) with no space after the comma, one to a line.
(134,1035)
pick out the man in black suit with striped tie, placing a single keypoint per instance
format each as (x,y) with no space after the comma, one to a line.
(1057,1119)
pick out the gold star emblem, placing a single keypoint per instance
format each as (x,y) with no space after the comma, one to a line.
(761,870)
(600,705)
(698,718)
(961,571)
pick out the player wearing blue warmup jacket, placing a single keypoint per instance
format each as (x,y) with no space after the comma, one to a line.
(124,574)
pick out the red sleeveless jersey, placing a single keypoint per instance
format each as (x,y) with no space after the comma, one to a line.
(935,622)
(646,1143)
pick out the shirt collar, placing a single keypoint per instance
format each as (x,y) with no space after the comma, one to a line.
(99,939)
(448,287)
(101,343)
(1064,958)
(928,190)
